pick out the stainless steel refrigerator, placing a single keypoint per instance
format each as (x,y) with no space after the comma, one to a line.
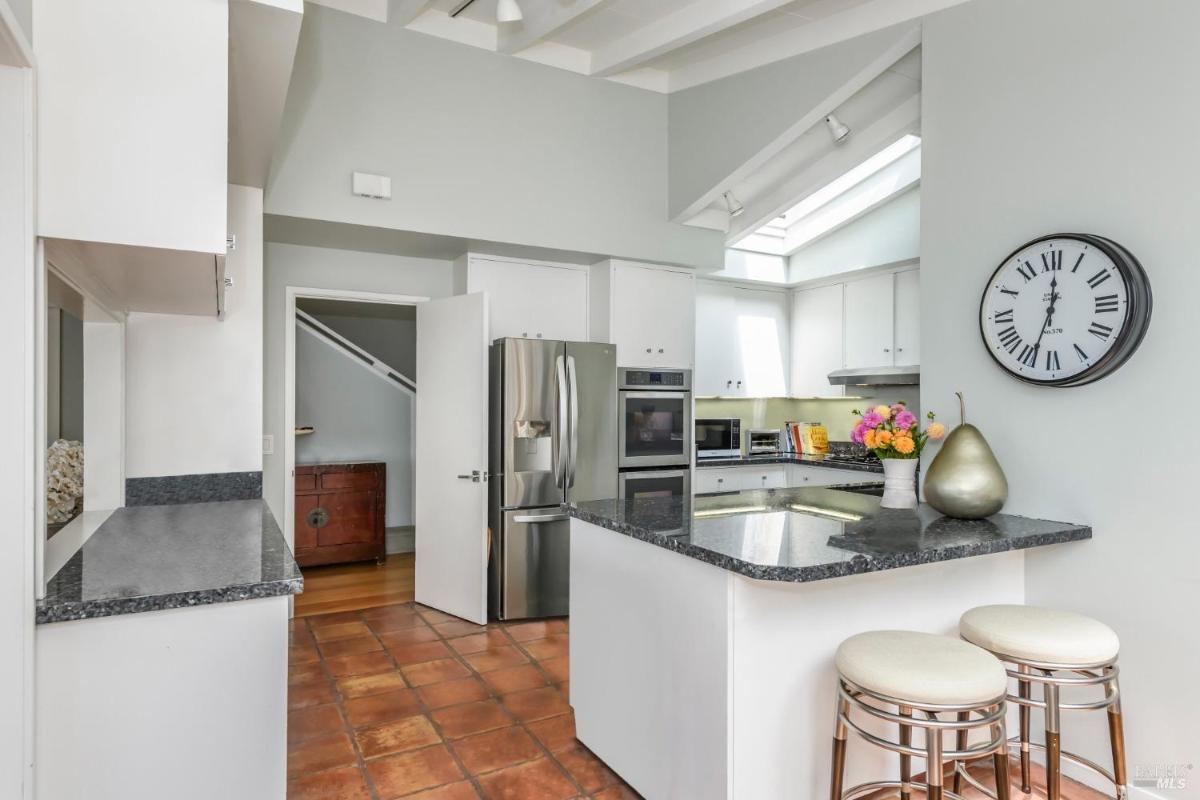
(553,428)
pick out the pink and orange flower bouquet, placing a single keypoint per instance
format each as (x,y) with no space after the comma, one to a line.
(894,431)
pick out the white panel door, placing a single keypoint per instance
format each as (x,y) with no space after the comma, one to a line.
(717,367)
(817,329)
(761,326)
(869,322)
(654,316)
(908,317)
(533,301)
(560,299)
(451,456)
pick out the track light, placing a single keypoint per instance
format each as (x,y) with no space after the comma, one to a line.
(837,129)
(508,11)
(732,205)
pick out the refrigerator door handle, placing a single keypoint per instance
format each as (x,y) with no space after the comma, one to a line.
(558,445)
(573,428)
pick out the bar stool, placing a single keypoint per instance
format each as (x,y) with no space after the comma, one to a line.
(1055,649)
(938,684)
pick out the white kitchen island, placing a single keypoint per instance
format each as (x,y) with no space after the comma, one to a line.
(703,629)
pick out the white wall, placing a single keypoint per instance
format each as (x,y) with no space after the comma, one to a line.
(194,384)
(357,414)
(478,145)
(1079,115)
(325,268)
(889,234)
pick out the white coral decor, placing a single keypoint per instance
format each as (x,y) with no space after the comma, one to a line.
(64,480)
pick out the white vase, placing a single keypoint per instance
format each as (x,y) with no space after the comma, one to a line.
(899,483)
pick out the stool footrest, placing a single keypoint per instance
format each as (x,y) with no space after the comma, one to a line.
(864,789)
(1014,745)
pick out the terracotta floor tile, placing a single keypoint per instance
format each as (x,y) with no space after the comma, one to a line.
(452,693)
(417,653)
(311,672)
(360,664)
(376,709)
(555,733)
(487,752)
(534,780)
(364,685)
(449,630)
(405,773)
(451,791)
(619,792)
(300,635)
(564,689)
(315,755)
(313,722)
(392,618)
(303,654)
(410,733)
(557,668)
(536,704)
(479,641)
(459,721)
(537,629)
(310,694)
(346,647)
(433,616)
(345,630)
(406,636)
(555,646)
(346,783)
(434,672)
(336,618)
(515,679)
(496,658)
(588,771)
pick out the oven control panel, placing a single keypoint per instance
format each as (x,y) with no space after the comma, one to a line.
(669,379)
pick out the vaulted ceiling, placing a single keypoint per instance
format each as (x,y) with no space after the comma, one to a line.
(663,45)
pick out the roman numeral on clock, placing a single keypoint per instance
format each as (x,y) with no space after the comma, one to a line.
(1052,361)
(1078,261)
(1009,338)
(1101,332)
(1079,351)
(1002,317)
(1106,303)
(1052,261)
(1027,271)
(1029,356)
(1008,291)
(1099,278)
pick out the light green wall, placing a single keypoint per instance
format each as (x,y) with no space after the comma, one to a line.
(772,412)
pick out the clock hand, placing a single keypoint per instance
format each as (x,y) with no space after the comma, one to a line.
(1037,346)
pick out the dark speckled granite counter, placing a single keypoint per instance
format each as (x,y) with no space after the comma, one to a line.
(790,458)
(810,534)
(158,557)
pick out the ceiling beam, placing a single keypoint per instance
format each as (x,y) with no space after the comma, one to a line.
(402,12)
(537,27)
(689,24)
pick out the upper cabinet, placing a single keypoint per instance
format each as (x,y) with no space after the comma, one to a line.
(818,335)
(883,320)
(647,311)
(908,318)
(527,299)
(742,341)
(132,101)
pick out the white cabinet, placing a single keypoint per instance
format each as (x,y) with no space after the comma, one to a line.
(869,321)
(742,341)
(647,311)
(805,475)
(908,318)
(716,479)
(817,340)
(132,99)
(531,300)
(774,476)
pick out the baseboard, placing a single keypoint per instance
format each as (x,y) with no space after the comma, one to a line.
(401,539)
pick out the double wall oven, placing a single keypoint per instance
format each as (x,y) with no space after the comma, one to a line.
(654,419)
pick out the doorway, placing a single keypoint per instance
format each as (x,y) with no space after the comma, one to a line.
(349,467)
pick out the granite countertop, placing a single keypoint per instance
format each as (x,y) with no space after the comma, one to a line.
(789,458)
(810,534)
(151,558)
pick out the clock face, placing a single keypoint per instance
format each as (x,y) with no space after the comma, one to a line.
(1065,310)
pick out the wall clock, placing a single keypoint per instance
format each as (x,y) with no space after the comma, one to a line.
(1065,310)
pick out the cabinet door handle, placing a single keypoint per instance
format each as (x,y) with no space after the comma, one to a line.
(887,349)
(648,349)
(899,349)
(728,384)
(660,349)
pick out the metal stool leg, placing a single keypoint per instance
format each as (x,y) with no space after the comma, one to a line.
(961,744)
(838,762)
(935,771)
(1053,745)
(1000,760)
(1116,736)
(905,759)
(1023,691)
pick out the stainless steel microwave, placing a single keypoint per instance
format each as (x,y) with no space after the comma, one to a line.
(718,438)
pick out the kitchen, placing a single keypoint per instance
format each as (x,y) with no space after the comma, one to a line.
(678,269)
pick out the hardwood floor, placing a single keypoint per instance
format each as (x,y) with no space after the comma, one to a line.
(350,587)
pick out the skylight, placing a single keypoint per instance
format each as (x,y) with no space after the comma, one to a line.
(868,185)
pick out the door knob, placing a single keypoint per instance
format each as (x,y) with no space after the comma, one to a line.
(474,477)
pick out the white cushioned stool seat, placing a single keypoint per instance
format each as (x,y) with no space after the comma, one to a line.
(923,668)
(1047,635)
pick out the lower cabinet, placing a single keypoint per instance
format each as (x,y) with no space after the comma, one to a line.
(774,476)
(340,513)
(803,475)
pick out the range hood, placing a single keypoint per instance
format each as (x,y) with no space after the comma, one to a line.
(877,376)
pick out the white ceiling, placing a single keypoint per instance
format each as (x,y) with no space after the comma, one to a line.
(664,45)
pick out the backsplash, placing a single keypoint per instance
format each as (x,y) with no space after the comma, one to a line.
(834,414)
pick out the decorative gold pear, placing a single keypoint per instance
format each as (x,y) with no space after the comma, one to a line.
(965,480)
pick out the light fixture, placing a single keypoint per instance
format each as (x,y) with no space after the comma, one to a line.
(837,129)
(732,205)
(724,512)
(826,512)
(508,11)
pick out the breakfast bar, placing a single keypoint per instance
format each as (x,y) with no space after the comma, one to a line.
(703,628)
